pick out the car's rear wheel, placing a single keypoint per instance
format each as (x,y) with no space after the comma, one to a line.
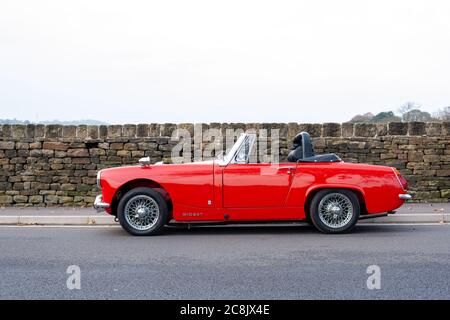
(142,212)
(334,210)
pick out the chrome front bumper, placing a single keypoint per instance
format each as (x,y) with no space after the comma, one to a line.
(405,196)
(99,204)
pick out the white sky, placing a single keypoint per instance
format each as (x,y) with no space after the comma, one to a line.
(222,61)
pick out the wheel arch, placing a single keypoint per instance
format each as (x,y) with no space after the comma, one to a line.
(136,183)
(313,191)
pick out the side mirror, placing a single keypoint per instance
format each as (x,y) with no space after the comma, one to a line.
(144,162)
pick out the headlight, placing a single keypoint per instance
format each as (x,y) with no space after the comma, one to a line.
(98,180)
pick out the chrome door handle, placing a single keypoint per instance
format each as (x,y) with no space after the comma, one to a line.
(289,169)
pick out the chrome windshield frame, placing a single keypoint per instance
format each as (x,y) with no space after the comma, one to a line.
(232,153)
(251,138)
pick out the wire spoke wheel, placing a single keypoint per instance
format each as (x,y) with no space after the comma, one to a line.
(142,212)
(335,210)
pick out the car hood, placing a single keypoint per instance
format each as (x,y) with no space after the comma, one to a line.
(159,166)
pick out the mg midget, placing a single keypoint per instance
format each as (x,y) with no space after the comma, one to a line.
(322,190)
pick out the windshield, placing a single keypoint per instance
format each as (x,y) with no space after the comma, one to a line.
(241,152)
(229,154)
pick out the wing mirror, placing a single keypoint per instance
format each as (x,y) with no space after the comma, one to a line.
(144,162)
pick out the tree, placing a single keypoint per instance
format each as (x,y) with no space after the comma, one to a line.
(408,106)
(387,116)
(366,117)
(416,115)
(443,114)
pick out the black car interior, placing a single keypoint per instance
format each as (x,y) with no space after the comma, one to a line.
(303,151)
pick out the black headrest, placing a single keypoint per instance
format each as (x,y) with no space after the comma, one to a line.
(302,147)
(303,139)
(298,140)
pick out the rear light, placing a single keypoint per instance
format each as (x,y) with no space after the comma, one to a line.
(400,179)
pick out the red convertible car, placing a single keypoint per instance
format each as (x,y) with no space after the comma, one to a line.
(322,190)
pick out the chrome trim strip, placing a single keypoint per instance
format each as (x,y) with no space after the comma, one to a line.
(398,179)
(98,179)
(405,196)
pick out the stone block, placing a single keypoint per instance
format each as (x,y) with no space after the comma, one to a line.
(114,131)
(116,146)
(314,129)
(446,128)
(103,132)
(381,129)
(331,130)
(20,199)
(92,132)
(433,129)
(6,131)
(416,128)
(167,129)
(18,131)
(55,145)
(30,128)
(39,131)
(53,131)
(129,131)
(5,199)
(142,130)
(69,132)
(189,127)
(365,130)
(22,145)
(79,152)
(82,132)
(347,129)
(7,145)
(397,128)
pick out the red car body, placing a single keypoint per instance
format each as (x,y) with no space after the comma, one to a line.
(209,191)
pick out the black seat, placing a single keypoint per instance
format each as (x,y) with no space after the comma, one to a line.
(303,151)
(302,147)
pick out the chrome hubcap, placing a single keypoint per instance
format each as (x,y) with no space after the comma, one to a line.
(141,212)
(335,210)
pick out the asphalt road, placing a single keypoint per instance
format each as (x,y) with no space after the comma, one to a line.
(271,262)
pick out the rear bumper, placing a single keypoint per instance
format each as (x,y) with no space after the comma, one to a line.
(405,196)
(99,204)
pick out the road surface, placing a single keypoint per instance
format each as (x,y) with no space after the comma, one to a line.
(231,262)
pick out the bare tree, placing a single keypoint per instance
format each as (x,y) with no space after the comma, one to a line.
(408,106)
(443,114)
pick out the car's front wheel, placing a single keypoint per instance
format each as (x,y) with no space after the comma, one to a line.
(334,210)
(142,212)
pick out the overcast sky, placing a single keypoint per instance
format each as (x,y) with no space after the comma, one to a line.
(221,61)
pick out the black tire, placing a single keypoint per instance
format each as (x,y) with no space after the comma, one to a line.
(308,220)
(146,193)
(349,200)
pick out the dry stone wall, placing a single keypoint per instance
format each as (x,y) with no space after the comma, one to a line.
(49,165)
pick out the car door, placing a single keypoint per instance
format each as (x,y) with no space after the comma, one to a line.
(248,184)
(256,185)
